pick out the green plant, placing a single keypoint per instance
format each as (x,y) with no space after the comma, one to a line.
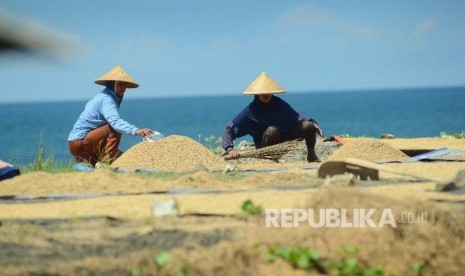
(162,259)
(213,143)
(346,135)
(300,257)
(45,161)
(136,272)
(419,268)
(350,249)
(250,208)
(102,157)
(348,267)
(304,258)
(352,266)
(455,135)
(183,270)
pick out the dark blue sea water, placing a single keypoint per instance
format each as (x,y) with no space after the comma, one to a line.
(404,113)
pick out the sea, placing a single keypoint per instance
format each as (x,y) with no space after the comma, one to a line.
(405,113)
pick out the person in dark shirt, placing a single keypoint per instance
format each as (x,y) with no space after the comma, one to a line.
(270,120)
(8,171)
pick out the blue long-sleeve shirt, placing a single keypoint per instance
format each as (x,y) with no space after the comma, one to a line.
(102,109)
(257,116)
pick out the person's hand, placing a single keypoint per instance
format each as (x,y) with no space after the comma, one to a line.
(144,132)
(318,130)
(4,164)
(233,154)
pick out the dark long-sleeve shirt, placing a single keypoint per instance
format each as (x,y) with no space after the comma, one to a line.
(257,116)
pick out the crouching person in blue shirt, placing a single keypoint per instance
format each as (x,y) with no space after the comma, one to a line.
(270,120)
(96,134)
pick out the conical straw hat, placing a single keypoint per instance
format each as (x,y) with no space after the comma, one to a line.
(264,84)
(117,74)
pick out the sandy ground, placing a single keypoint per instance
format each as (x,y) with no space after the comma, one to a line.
(103,222)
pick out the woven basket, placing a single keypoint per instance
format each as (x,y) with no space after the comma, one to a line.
(273,152)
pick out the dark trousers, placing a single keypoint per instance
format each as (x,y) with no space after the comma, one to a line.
(305,130)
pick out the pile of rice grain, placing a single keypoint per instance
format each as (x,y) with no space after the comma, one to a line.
(174,153)
(368,149)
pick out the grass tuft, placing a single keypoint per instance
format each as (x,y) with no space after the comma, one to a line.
(44,161)
(453,135)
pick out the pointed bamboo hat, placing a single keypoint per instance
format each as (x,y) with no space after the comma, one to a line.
(117,74)
(264,84)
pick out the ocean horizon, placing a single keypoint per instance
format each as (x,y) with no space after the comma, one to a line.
(405,113)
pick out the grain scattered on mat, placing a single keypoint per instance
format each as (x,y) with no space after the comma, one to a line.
(174,153)
(368,149)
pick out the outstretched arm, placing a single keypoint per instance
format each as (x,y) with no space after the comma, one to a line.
(228,137)
(227,141)
(111,115)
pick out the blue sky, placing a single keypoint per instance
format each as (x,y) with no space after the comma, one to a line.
(211,47)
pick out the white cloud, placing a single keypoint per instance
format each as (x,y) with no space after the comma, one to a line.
(149,42)
(223,44)
(425,27)
(308,18)
(422,32)
(146,43)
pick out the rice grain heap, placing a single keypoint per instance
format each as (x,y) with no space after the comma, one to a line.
(174,153)
(368,149)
